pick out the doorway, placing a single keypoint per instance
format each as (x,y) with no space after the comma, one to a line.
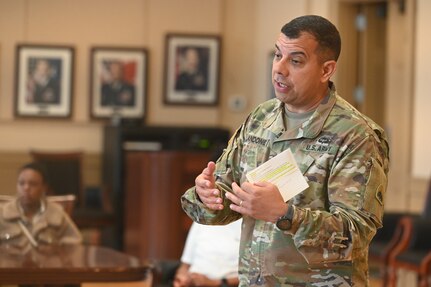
(362,66)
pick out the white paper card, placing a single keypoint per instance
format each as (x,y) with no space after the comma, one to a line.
(282,171)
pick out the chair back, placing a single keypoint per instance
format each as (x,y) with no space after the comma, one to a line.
(64,172)
(5,198)
(67,201)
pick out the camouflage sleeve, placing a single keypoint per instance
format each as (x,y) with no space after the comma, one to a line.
(227,171)
(356,186)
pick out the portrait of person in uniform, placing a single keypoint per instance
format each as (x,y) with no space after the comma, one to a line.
(43,85)
(116,90)
(192,65)
(321,235)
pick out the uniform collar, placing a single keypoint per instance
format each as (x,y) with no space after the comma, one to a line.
(310,128)
(40,211)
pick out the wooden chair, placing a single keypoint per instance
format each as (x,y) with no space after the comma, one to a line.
(5,198)
(414,250)
(413,253)
(64,172)
(384,242)
(67,201)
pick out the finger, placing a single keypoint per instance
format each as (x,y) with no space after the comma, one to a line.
(262,183)
(210,199)
(205,181)
(206,178)
(239,191)
(238,203)
(240,207)
(264,186)
(232,197)
(209,170)
(214,206)
(248,186)
(206,187)
(201,181)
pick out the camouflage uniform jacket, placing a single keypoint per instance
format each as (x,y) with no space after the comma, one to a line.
(344,157)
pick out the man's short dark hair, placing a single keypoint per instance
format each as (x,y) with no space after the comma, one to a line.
(325,33)
(38,167)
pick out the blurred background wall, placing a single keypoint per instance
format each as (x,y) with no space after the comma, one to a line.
(248,29)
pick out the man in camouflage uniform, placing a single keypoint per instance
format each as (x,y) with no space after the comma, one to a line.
(342,154)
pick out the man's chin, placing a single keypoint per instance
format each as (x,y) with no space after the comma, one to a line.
(282,97)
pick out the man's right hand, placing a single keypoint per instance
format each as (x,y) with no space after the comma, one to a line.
(206,188)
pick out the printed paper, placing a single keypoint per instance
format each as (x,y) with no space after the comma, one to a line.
(281,170)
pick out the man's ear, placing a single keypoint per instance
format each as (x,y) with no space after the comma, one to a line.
(328,70)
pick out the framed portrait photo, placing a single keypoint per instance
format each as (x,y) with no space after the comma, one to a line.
(44,81)
(118,82)
(192,70)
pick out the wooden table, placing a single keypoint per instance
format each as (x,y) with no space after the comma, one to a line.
(69,265)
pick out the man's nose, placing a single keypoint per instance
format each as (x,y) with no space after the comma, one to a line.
(281,68)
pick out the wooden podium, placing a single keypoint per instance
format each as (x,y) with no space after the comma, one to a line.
(155,225)
(161,147)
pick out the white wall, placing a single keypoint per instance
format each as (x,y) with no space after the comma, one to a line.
(421,151)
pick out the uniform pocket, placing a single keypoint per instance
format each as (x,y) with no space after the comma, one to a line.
(253,155)
(305,163)
(375,190)
(10,232)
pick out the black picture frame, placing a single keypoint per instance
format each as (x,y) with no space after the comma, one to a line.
(44,81)
(192,67)
(118,84)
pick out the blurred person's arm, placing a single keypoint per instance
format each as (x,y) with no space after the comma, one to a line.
(202,280)
(182,276)
(233,281)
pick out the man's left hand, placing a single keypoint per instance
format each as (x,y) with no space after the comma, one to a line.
(260,200)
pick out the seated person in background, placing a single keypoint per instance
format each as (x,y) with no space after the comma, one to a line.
(30,220)
(210,256)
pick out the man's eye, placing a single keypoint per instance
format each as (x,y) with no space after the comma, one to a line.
(277,56)
(295,61)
